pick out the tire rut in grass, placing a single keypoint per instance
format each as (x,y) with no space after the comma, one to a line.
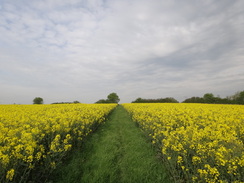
(117,152)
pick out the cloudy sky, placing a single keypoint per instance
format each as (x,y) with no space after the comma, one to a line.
(85,49)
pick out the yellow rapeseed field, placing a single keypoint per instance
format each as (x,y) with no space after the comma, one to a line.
(199,142)
(38,136)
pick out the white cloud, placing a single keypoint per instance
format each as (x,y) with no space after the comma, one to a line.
(136,48)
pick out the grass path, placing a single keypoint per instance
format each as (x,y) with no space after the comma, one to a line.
(117,152)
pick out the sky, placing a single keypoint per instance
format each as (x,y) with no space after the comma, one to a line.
(83,50)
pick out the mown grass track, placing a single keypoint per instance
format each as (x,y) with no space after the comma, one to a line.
(117,152)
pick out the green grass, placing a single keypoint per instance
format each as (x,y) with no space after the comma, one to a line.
(117,152)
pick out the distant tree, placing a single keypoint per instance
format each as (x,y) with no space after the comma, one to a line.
(171,100)
(209,98)
(101,101)
(240,98)
(237,98)
(159,100)
(113,98)
(234,97)
(75,102)
(38,100)
(224,101)
(194,100)
(138,100)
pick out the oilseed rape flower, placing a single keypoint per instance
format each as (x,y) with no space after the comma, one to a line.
(40,135)
(10,175)
(199,142)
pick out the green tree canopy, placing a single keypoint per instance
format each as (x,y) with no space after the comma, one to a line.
(101,101)
(240,98)
(38,100)
(76,102)
(208,98)
(113,98)
(159,100)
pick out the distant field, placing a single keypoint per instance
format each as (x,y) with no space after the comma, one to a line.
(196,142)
(199,142)
(34,138)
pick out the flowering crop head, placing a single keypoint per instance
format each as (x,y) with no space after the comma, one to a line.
(43,134)
(204,141)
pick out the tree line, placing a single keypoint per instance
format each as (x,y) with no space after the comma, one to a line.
(160,100)
(39,100)
(111,98)
(208,98)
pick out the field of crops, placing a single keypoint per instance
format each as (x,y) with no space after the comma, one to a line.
(199,142)
(34,138)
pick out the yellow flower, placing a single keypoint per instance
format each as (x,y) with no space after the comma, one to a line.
(67,147)
(196,159)
(10,174)
(29,133)
(53,165)
(180,160)
(211,134)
